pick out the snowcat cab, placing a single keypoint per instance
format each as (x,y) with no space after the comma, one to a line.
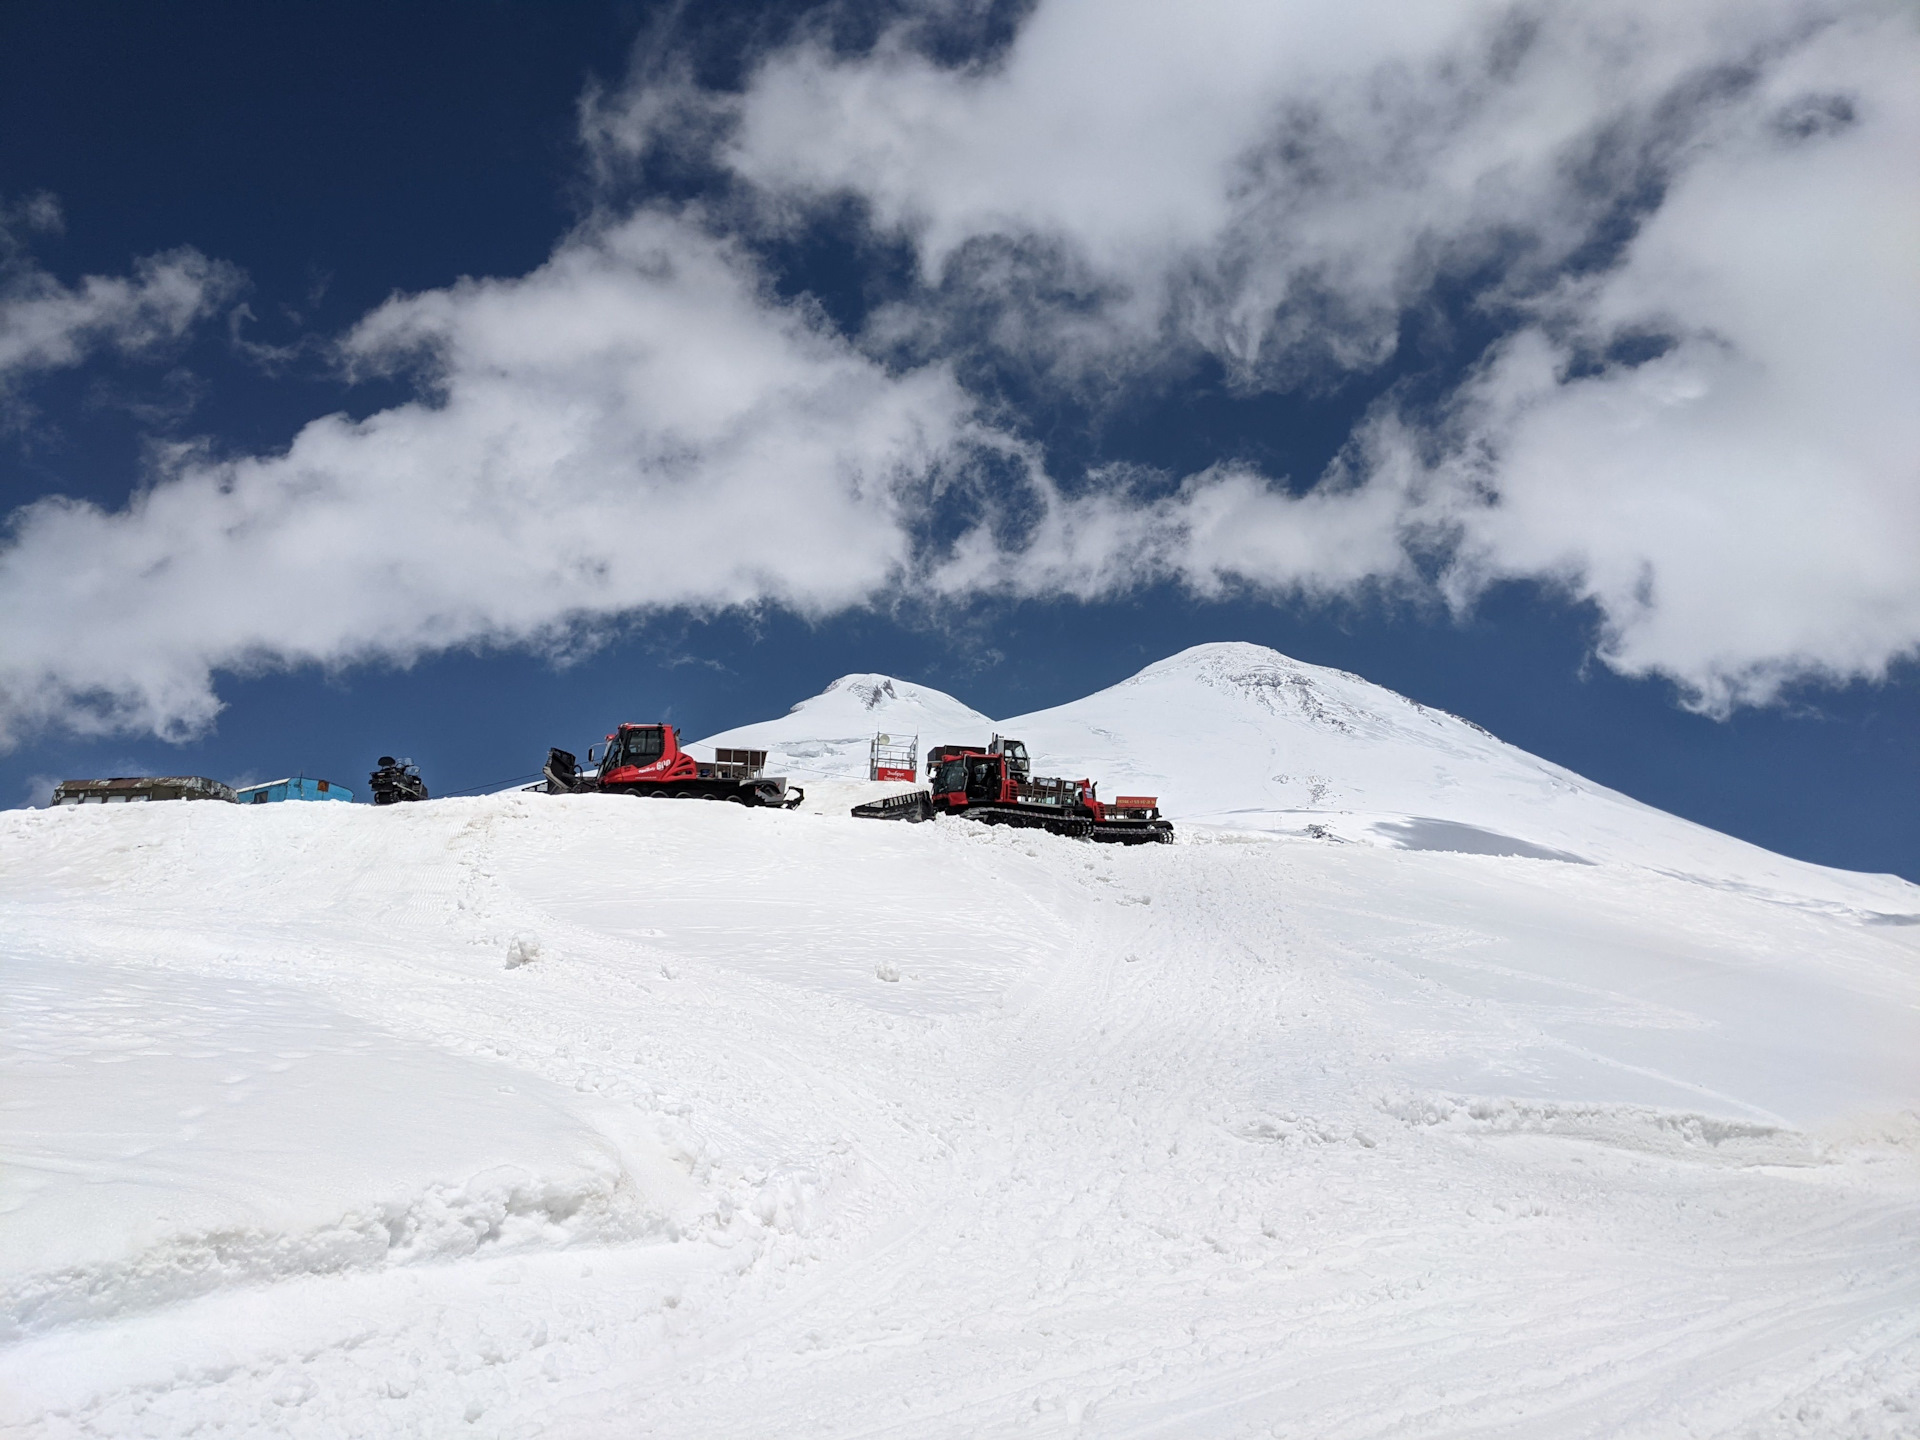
(648,760)
(1018,765)
(636,752)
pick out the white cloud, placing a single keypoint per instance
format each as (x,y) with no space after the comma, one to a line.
(45,325)
(1279,184)
(636,424)
(1274,183)
(641,423)
(1225,528)
(1745,508)
(36,793)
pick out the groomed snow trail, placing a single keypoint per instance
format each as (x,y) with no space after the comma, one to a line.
(528,1116)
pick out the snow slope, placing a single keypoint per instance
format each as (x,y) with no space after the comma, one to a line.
(584,1116)
(1241,735)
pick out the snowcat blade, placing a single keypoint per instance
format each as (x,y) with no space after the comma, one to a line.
(912,807)
(562,771)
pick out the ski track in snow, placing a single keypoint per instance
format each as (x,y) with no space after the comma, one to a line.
(588,1116)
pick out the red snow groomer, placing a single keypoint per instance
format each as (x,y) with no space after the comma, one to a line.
(648,760)
(996,787)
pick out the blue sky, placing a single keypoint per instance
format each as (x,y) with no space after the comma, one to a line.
(1546,368)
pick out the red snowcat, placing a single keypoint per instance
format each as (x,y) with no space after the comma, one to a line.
(648,760)
(996,786)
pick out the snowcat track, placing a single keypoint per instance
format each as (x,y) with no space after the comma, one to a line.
(1133,832)
(1073,827)
(915,806)
(740,792)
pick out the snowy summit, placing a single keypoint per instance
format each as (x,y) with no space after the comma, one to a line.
(1422,1088)
(828,735)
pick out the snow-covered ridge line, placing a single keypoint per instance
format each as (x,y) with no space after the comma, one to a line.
(1239,735)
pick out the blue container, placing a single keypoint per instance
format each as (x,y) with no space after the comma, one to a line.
(299,787)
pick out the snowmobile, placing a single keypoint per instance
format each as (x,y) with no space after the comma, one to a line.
(648,760)
(396,781)
(996,786)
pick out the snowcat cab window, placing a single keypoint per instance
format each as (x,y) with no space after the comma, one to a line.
(641,746)
(953,776)
(980,780)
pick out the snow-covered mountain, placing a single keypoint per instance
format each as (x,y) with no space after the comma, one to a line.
(828,736)
(1231,731)
(574,1115)
(1243,737)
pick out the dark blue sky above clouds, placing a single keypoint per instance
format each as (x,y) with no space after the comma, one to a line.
(1439,353)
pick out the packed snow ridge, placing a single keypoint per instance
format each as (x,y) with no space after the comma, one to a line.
(1422,1088)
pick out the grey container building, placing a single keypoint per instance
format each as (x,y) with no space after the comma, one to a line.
(129,789)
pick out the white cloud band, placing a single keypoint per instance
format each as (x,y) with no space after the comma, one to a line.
(1699,220)
(636,424)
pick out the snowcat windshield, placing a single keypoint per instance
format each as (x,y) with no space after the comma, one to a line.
(952,777)
(640,746)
